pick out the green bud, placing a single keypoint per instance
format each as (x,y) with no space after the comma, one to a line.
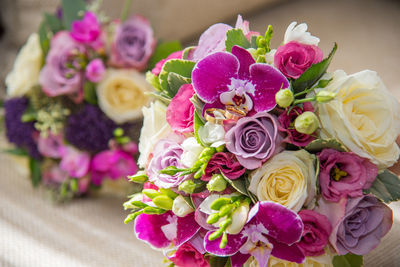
(170,170)
(207,152)
(219,203)
(260,41)
(198,173)
(151,193)
(253,52)
(225,210)
(261,59)
(140,177)
(284,98)
(261,51)
(168,192)
(132,216)
(152,210)
(213,218)
(215,235)
(224,224)
(217,183)
(163,202)
(224,241)
(220,148)
(306,123)
(73,184)
(324,96)
(187,186)
(118,132)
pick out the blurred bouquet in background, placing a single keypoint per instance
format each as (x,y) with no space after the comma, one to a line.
(255,156)
(75,94)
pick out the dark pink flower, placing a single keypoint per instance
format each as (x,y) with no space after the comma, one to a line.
(294,58)
(226,163)
(50,146)
(180,111)
(344,174)
(75,162)
(95,70)
(86,30)
(157,68)
(286,121)
(188,256)
(315,237)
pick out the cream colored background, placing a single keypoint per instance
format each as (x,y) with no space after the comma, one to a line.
(90,232)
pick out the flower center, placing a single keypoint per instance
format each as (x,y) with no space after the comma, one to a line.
(238,94)
(337,174)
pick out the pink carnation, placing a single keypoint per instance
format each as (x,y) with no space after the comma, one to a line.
(188,256)
(180,111)
(225,163)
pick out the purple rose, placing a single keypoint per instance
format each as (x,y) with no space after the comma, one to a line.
(344,174)
(294,58)
(358,223)
(166,153)
(62,74)
(133,43)
(254,139)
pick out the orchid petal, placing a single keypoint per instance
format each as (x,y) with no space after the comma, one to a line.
(286,252)
(245,61)
(262,255)
(239,259)
(268,81)
(235,242)
(212,75)
(186,229)
(148,228)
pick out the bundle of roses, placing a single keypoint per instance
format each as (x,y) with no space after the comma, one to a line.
(75,96)
(258,157)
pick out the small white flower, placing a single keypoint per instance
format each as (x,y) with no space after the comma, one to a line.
(180,207)
(299,34)
(191,152)
(212,134)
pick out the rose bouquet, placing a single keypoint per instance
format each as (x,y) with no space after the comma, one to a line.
(260,157)
(75,94)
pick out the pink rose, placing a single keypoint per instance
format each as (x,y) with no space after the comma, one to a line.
(225,163)
(188,256)
(113,164)
(86,30)
(317,229)
(175,55)
(294,58)
(95,70)
(76,163)
(62,73)
(180,111)
(50,146)
(344,174)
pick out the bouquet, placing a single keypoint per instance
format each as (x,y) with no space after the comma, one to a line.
(256,156)
(75,94)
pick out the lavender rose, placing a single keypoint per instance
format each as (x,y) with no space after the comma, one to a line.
(358,223)
(344,174)
(254,139)
(166,153)
(62,74)
(133,43)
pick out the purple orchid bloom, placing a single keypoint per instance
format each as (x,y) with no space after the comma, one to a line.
(236,79)
(271,229)
(160,230)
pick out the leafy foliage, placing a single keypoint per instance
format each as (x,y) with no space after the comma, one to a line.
(197,124)
(36,173)
(162,51)
(348,260)
(236,37)
(319,144)
(386,187)
(72,10)
(89,93)
(49,26)
(182,70)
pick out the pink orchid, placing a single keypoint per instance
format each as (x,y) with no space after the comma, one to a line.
(86,30)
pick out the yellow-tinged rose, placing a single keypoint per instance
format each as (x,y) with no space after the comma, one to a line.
(288,179)
(320,261)
(25,73)
(155,127)
(364,116)
(122,94)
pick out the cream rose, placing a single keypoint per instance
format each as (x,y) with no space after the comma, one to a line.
(155,127)
(364,116)
(25,73)
(122,94)
(288,179)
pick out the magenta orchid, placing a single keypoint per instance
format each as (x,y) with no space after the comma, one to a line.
(236,79)
(86,30)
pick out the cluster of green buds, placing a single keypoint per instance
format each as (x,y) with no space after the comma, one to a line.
(67,190)
(225,208)
(263,45)
(162,198)
(120,137)
(50,119)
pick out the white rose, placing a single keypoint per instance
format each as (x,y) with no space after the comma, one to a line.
(212,134)
(155,127)
(180,207)
(288,178)
(25,73)
(122,94)
(299,34)
(191,152)
(364,116)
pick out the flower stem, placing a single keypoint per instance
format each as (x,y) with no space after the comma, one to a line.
(125,10)
(303,100)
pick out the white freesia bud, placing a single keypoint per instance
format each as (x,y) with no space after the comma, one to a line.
(180,207)
(239,218)
(299,34)
(191,152)
(212,134)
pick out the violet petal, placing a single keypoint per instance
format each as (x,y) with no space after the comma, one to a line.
(148,228)
(235,242)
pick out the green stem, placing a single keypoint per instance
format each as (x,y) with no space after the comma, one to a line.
(125,10)
(303,100)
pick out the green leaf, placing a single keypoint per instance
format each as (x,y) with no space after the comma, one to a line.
(239,184)
(36,173)
(236,37)
(319,144)
(313,74)
(48,27)
(216,261)
(253,197)
(162,51)
(253,42)
(348,260)
(18,151)
(197,124)
(153,80)
(53,23)
(72,10)
(175,81)
(89,93)
(187,51)
(179,66)
(198,106)
(386,187)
